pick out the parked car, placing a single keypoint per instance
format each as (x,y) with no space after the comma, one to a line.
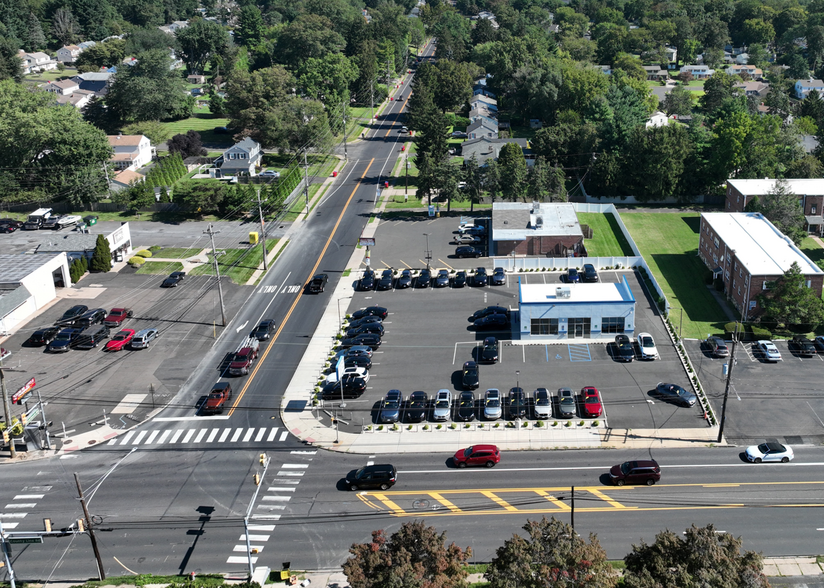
(459,135)
(370,311)
(385,283)
(489,310)
(803,346)
(498,277)
(768,350)
(467,240)
(591,402)
(542,404)
(675,393)
(572,276)
(492,322)
(623,349)
(354,351)
(366,328)
(269,173)
(467,251)
(242,361)
(416,406)
(367,281)
(360,361)
(819,344)
(42,336)
(218,398)
(348,387)
(405,280)
(718,347)
(424,279)
(635,472)
(566,403)
(443,406)
(492,404)
(442,279)
(466,406)
(472,229)
(381,476)
(63,341)
(477,455)
(366,339)
(91,317)
(357,372)
(117,316)
(318,283)
(589,274)
(480,278)
(769,451)
(647,346)
(142,338)
(471,375)
(5,228)
(459,281)
(120,340)
(391,407)
(11,222)
(489,351)
(516,408)
(91,337)
(364,321)
(70,315)
(173,280)
(264,330)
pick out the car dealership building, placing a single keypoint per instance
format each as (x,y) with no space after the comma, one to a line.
(576,311)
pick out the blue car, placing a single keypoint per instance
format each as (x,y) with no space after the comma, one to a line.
(573,277)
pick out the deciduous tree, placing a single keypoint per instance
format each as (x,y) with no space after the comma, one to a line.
(678,101)
(789,301)
(187,144)
(783,209)
(512,165)
(199,41)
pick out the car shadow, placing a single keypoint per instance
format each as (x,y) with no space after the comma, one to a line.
(375,412)
(743,457)
(605,479)
(449,462)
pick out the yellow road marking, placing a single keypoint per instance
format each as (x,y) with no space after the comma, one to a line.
(297,298)
(445,502)
(446,264)
(365,499)
(394,507)
(406,264)
(553,500)
(721,485)
(605,498)
(495,498)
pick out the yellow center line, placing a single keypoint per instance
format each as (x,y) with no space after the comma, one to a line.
(605,498)
(445,502)
(495,498)
(553,500)
(298,297)
(721,485)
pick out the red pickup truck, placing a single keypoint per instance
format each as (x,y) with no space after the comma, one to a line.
(117,316)
(242,361)
(220,395)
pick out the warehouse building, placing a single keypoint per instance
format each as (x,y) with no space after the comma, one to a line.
(28,283)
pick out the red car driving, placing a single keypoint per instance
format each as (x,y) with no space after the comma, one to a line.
(477,455)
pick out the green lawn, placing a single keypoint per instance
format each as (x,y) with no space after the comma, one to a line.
(607,238)
(237,264)
(812,249)
(175,252)
(204,123)
(160,267)
(669,242)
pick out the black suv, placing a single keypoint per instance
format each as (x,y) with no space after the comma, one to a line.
(589,274)
(71,314)
(635,472)
(264,330)
(623,349)
(318,283)
(42,336)
(802,346)
(467,251)
(367,282)
(92,317)
(480,277)
(517,403)
(459,281)
(471,376)
(381,476)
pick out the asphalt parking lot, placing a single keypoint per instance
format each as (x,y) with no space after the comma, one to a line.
(81,385)
(783,400)
(428,338)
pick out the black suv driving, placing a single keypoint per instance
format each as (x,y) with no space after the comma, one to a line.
(381,476)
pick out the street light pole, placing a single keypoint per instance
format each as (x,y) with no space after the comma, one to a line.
(262,232)
(212,234)
(427,253)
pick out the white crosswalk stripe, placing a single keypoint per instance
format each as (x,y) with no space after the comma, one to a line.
(201,436)
(8,518)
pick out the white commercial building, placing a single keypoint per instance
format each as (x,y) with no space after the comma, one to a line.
(28,283)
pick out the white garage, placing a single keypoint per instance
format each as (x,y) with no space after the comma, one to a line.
(28,283)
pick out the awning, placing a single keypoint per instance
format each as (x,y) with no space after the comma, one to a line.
(717,272)
(814,220)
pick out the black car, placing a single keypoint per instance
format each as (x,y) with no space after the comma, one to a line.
(372,476)
(318,283)
(92,317)
(819,344)
(489,310)
(489,352)
(471,375)
(358,361)
(802,346)
(467,251)
(367,281)
(42,336)
(367,339)
(480,278)
(405,280)
(589,273)
(623,349)
(71,314)
(63,341)
(385,283)
(517,403)
(491,322)
(364,321)
(466,406)
(378,311)
(423,279)
(498,277)
(173,280)
(264,330)
(4,228)
(373,328)
(353,387)
(459,281)
(11,222)
(675,393)
(416,406)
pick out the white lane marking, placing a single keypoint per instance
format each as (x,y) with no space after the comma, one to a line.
(260,435)
(189,434)
(192,418)
(606,467)
(280,489)
(283,435)
(242,548)
(248,435)
(295,466)
(236,436)
(224,435)
(241,327)
(163,437)
(272,434)
(127,437)
(260,517)
(139,437)
(254,537)
(272,507)
(176,436)
(268,528)
(235,559)
(152,437)
(21,505)
(295,474)
(200,435)
(303,452)
(212,435)
(277,498)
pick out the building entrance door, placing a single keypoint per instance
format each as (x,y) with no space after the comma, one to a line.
(579,328)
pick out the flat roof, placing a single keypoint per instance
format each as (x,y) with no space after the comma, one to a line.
(596,292)
(68,242)
(759,246)
(15,267)
(802,187)
(515,221)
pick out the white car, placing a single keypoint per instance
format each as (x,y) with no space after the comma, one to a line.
(359,372)
(492,404)
(768,350)
(269,173)
(542,403)
(443,406)
(647,346)
(769,452)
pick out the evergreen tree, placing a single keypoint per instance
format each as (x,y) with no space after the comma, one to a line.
(102,257)
(84,264)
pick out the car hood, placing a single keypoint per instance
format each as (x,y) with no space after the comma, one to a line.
(459,455)
(59,343)
(615,471)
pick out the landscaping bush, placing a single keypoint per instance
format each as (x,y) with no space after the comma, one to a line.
(136,261)
(143,253)
(760,332)
(729,331)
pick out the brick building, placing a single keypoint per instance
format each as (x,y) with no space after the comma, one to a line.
(746,251)
(811,193)
(537,228)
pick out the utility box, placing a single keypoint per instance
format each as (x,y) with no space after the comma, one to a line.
(253,237)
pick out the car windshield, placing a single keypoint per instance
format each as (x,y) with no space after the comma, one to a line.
(647,342)
(493,403)
(63,337)
(391,404)
(467,402)
(442,404)
(764,448)
(467,452)
(120,336)
(543,400)
(416,404)
(679,391)
(592,400)
(625,468)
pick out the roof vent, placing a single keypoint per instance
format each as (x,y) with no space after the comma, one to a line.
(563,292)
(539,222)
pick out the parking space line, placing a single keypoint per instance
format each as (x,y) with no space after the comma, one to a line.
(498,500)
(406,264)
(446,264)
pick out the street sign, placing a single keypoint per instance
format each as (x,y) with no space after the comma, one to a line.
(366,241)
(24,540)
(32,413)
(431,210)
(18,396)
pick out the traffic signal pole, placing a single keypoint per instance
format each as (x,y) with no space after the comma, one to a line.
(7,414)
(100,570)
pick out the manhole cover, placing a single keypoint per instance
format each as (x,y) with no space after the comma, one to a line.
(420,504)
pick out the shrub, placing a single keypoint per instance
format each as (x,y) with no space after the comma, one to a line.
(136,261)
(155,248)
(539,424)
(144,253)
(568,424)
(760,332)
(594,423)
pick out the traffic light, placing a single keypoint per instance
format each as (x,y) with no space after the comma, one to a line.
(5,436)
(256,478)
(47,525)
(263,459)
(24,418)
(81,526)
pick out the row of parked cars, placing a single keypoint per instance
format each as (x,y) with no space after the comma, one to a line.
(81,328)
(426,278)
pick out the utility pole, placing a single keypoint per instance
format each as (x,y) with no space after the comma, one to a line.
(212,234)
(345,153)
(572,512)
(427,253)
(262,232)
(45,421)
(406,188)
(101,572)
(5,546)
(727,386)
(7,412)
(372,99)
(306,180)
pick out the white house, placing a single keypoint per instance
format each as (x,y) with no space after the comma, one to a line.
(804,87)
(62,87)
(37,62)
(699,72)
(130,151)
(79,99)
(174,27)
(241,158)
(755,73)
(658,119)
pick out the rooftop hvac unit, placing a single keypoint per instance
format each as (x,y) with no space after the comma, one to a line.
(563,292)
(539,222)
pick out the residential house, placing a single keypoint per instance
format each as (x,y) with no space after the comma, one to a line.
(747,252)
(37,62)
(672,54)
(482,90)
(809,191)
(804,87)
(482,128)
(742,58)
(485,148)
(657,119)
(241,158)
(125,178)
(655,73)
(171,29)
(130,151)
(79,99)
(68,54)
(62,87)
(757,89)
(477,113)
(755,73)
(196,79)
(481,101)
(97,82)
(699,72)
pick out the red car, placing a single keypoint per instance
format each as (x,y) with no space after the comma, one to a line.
(592,402)
(117,316)
(242,361)
(477,455)
(120,340)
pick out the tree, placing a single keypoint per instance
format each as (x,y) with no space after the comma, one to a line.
(217,103)
(250,30)
(655,165)
(102,256)
(454,85)
(11,66)
(36,39)
(107,54)
(631,65)
(702,557)
(678,101)
(757,30)
(512,166)
(783,209)
(551,555)
(545,183)
(64,26)
(188,144)
(328,78)
(790,302)
(148,90)
(483,32)
(156,132)
(199,41)
(628,111)
(719,87)
(309,35)
(140,40)
(415,555)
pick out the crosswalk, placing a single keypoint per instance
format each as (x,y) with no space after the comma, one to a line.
(269,508)
(213,435)
(15,511)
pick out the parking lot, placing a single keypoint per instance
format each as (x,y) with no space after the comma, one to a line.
(782,400)
(428,338)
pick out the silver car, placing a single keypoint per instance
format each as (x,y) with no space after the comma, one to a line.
(442,279)
(542,403)
(142,338)
(443,406)
(492,404)
(768,350)
(391,407)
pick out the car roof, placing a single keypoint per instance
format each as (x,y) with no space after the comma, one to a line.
(144,332)
(485,447)
(773,446)
(220,386)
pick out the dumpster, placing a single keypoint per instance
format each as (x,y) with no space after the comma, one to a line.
(253,237)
